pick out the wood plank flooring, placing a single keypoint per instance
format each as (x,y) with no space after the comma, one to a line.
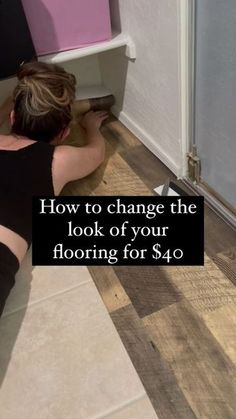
(178,324)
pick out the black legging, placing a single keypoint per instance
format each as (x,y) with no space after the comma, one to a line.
(9,265)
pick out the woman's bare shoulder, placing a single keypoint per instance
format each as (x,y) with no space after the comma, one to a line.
(65,152)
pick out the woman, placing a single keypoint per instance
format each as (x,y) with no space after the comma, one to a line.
(33,160)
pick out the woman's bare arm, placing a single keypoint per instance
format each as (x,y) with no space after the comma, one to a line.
(71,163)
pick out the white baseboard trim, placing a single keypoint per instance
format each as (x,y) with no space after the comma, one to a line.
(147,140)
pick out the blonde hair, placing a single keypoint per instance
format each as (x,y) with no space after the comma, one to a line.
(42,100)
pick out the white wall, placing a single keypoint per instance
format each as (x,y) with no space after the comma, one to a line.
(148,90)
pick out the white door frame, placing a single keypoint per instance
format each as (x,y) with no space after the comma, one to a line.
(186,51)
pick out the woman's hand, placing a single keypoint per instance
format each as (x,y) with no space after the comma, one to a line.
(92,121)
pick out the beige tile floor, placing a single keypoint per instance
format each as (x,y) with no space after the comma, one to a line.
(60,354)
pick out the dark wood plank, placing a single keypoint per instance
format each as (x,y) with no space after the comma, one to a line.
(148,287)
(156,376)
(205,374)
(150,169)
(118,136)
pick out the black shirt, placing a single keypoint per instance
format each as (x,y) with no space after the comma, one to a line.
(24,173)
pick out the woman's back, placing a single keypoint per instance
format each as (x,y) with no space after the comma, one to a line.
(24,173)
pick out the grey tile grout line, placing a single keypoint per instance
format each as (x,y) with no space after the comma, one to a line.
(9,313)
(120,407)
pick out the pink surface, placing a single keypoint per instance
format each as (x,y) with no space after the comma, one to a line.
(59,25)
